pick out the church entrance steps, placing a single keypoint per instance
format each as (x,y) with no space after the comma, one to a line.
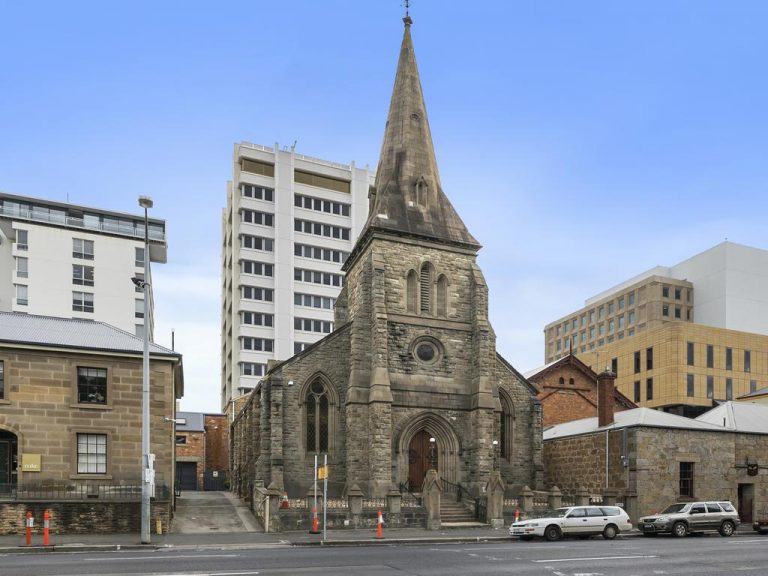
(455,512)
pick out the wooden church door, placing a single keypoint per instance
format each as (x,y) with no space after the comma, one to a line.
(418,460)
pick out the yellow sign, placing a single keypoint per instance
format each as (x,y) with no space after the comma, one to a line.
(322,472)
(30,463)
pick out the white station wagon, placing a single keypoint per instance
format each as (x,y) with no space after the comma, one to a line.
(580,521)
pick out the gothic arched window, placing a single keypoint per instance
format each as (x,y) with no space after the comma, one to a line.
(425,288)
(411,291)
(317,417)
(506,418)
(442,296)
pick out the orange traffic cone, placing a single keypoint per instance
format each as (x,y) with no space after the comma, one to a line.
(315,529)
(284,502)
(379,524)
(517,514)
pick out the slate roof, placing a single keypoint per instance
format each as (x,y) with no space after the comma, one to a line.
(738,416)
(629,418)
(194,422)
(29,329)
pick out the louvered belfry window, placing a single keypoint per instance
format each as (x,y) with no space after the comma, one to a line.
(317,417)
(425,281)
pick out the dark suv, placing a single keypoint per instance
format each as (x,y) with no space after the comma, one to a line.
(692,517)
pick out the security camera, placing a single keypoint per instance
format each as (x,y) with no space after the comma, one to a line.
(139,282)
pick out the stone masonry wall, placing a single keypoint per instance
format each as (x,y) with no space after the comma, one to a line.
(80,517)
(216,442)
(41,409)
(323,359)
(579,462)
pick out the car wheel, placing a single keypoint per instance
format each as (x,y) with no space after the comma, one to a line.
(553,533)
(679,529)
(727,528)
(610,531)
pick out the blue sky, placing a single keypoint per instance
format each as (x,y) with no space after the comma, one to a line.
(581,142)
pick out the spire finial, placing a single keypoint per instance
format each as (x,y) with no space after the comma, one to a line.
(407,19)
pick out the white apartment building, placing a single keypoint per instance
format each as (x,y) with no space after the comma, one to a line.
(68,261)
(290,223)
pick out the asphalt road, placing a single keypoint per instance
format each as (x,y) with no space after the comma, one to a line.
(705,555)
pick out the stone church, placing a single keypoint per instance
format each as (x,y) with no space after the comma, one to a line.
(413,356)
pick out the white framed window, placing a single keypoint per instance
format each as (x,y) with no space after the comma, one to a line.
(22,240)
(22,295)
(258,344)
(82,275)
(256,268)
(252,369)
(82,302)
(257,243)
(257,192)
(257,217)
(91,453)
(139,308)
(22,267)
(139,258)
(257,318)
(256,293)
(82,249)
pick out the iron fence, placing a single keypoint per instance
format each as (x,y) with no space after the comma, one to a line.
(80,490)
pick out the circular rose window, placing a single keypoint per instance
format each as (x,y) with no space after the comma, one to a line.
(426,350)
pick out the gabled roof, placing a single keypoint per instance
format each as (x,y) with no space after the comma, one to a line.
(738,416)
(628,419)
(71,333)
(573,361)
(528,384)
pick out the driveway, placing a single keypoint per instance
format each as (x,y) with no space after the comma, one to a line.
(212,512)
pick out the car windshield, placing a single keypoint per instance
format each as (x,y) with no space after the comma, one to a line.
(671,509)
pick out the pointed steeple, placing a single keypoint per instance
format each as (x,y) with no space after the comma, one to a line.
(408,198)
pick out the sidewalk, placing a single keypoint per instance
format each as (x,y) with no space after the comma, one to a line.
(112,542)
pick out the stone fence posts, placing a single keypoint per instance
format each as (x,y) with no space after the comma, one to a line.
(430,492)
(494,512)
(555,498)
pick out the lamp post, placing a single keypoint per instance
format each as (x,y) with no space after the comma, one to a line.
(146,203)
(432,454)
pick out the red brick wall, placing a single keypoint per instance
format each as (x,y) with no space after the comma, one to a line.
(193,450)
(566,402)
(216,442)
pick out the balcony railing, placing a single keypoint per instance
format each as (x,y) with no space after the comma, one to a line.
(133,229)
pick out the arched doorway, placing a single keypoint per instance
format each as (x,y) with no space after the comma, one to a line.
(419,460)
(8,459)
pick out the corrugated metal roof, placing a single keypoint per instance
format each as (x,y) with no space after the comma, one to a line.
(193,422)
(755,394)
(739,417)
(626,419)
(17,328)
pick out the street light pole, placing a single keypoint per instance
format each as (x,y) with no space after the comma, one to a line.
(146,203)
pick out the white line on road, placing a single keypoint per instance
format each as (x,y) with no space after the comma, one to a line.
(594,558)
(163,557)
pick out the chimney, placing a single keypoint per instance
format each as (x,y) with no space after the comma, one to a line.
(605,393)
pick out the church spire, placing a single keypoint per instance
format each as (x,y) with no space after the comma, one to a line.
(408,198)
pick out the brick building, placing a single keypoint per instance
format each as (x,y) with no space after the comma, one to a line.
(70,421)
(413,355)
(568,391)
(202,450)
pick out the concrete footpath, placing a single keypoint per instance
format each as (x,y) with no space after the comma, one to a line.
(231,540)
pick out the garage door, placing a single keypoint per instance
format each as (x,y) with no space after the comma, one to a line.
(186,473)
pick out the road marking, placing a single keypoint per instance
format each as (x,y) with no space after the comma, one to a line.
(593,558)
(736,542)
(164,557)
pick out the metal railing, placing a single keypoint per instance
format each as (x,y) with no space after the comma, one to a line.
(80,490)
(461,494)
(134,228)
(406,495)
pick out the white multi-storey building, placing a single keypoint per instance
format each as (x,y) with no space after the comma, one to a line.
(289,224)
(63,260)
